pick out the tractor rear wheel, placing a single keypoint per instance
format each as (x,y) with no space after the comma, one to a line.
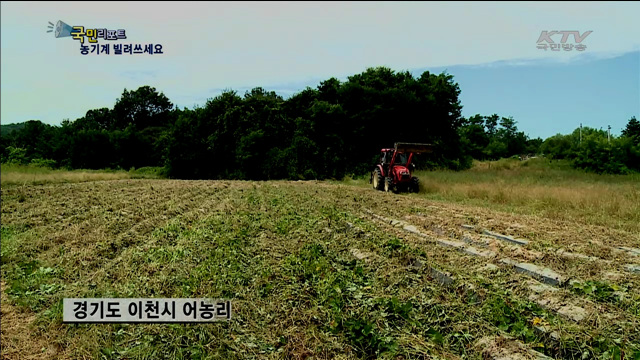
(377,179)
(415,185)
(388,184)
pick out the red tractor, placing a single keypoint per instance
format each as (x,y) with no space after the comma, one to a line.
(394,171)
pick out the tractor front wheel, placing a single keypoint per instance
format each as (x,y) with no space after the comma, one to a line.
(415,185)
(388,184)
(377,180)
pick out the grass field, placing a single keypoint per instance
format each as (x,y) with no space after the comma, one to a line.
(550,189)
(32,175)
(315,270)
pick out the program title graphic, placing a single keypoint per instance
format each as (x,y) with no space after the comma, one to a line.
(81,33)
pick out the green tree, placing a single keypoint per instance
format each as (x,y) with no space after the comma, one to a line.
(326,132)
(491,123)
(632,130)
(141,108)
(515,142)
(533,146)
(98,119)
(556,147)
(91,149)
(474,137)
(36,137)
(16,155)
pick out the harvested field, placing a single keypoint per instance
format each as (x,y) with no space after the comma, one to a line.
(314,270)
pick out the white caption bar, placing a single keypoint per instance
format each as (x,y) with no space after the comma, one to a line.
(154,310)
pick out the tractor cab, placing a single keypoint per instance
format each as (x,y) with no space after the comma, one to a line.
(386,156)
(387,159)
(401,159)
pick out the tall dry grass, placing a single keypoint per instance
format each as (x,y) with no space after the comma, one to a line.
(541,187)
(31,175)
(58,177)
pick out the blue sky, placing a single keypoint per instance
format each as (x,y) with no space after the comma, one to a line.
(489,47)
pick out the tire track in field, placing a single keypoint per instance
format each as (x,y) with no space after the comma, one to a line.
(560,301)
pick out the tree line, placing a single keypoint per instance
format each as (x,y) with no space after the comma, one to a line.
(330,131)
(594,150)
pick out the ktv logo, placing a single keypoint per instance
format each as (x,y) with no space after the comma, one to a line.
(546,42)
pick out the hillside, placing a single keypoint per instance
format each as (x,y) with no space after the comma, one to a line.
(9,128)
